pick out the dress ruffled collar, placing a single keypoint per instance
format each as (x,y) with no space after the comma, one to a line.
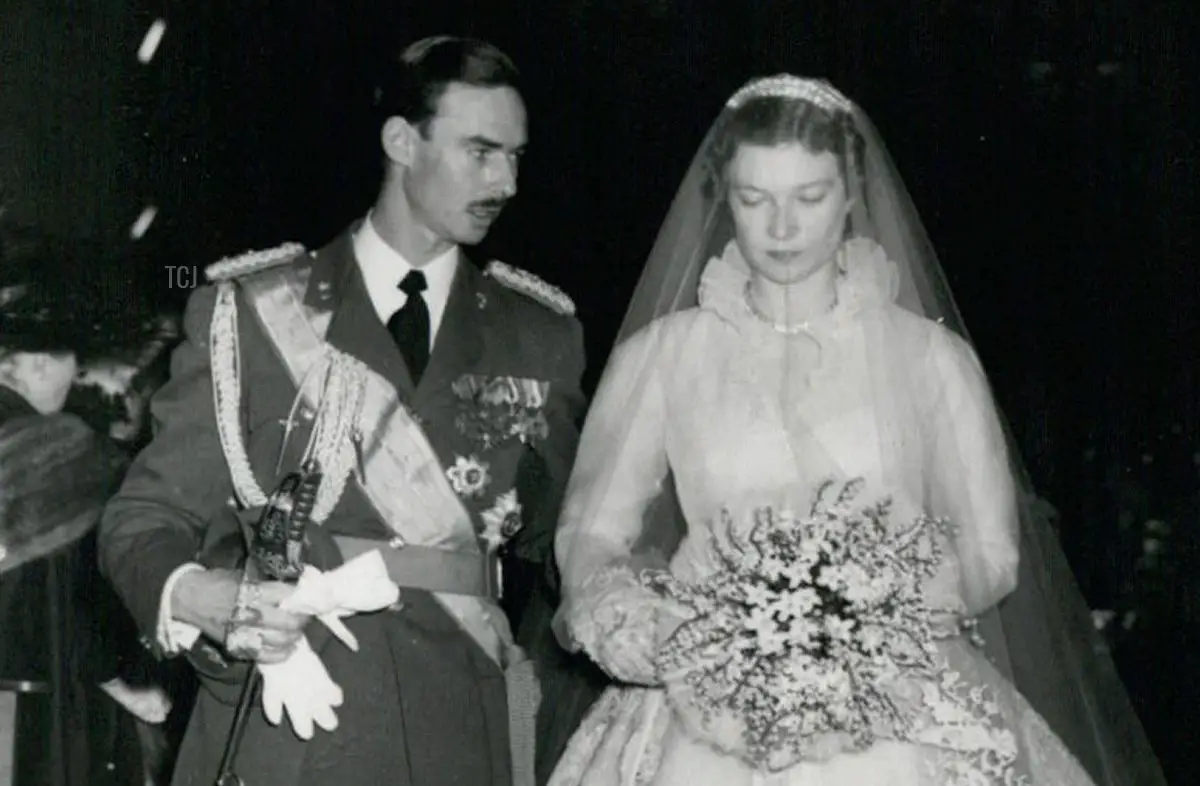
(866,279)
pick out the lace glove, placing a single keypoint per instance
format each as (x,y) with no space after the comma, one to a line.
(621,623)
(301,685)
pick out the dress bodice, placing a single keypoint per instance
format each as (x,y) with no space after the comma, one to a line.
(742,416)
(744,431)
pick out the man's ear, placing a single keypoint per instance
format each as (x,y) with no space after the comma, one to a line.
(399,140)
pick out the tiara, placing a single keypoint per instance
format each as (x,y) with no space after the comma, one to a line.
(815,91)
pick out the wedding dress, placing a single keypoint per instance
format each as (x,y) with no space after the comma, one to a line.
(707,406)
(714,421)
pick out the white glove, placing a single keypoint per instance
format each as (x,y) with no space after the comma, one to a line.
(362,584)
(301,684)
(303,687)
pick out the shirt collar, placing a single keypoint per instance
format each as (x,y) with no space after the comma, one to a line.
(383,268)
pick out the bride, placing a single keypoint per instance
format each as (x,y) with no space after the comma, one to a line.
(792,327)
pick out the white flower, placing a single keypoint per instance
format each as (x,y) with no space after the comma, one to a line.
(760,620)
(830,577)
(798,573)
(801,633)
(839,629)
(871,638)
(759,597)
(468,477)
(773,568)
(858,586)
(837,682)
(815,620)
(799,603)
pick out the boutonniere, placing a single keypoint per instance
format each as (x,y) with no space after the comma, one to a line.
(495,409)
(501,521)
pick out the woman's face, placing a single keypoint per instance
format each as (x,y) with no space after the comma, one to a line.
(43,378)
(789,208)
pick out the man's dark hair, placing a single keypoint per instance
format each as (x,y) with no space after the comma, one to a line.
(414,82)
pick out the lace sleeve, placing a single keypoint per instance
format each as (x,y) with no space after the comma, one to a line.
(971,479)
(619,471)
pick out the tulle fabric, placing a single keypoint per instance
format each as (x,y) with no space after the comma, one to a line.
(703,407)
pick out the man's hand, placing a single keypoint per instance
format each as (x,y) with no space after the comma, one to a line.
(206,599)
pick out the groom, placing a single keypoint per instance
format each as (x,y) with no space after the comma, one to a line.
(459,452)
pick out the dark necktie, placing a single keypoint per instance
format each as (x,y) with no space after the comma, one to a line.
(409,326)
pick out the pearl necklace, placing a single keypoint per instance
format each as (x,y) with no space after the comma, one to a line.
(779,327)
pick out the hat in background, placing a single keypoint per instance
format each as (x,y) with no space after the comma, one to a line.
(44,305)
(71,295)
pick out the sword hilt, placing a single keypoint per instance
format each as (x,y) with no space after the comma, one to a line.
(277,547)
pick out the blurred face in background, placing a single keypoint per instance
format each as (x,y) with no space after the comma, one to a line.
(459,169)
(41,378)
(789,208)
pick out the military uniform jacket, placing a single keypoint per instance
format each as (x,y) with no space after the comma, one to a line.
(424,705)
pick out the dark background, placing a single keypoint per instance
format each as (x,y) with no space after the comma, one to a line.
(1049,144)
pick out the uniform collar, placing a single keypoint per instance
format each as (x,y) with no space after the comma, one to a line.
(336,286)
(383,268)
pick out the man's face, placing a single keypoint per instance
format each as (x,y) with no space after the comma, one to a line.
(464,168)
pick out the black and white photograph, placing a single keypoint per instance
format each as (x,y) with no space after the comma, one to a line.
(599,393)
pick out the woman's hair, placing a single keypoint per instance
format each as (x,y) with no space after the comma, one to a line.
(771,121)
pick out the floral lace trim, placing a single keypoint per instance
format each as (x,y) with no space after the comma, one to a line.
(615,620)
(967,741)
(967,737)
(868,278)
(973,742)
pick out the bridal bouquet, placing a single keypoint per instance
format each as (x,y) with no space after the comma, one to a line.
(799,643)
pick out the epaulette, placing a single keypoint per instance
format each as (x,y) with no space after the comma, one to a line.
(531,286)
(251,261)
